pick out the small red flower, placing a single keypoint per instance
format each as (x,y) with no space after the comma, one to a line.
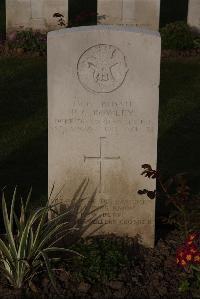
(189,253)
(188,257)
(193,248)
(183,263)
(189,242)
(197,258)
(181,256)
(192,237)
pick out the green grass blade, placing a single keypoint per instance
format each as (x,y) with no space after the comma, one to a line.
(64,234)
(50,272)
(25,234)
(46,237)
(31,237)
(7,275)
(58,218)
(28,200)
(17,223)
(60,249)
(8,228)
(56,221)
(40,227)
(5,251)
(12,208)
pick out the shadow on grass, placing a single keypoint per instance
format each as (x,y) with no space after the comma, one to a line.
(23,129)
(179,117)
(25,168)
(179,147)
(178,152)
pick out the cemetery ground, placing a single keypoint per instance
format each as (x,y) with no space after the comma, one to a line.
(112,267)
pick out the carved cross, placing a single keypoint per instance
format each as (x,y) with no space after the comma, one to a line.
(101,157)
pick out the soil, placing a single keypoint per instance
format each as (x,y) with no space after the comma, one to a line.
(150,273)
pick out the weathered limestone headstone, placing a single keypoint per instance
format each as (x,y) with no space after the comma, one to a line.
(143,13)
(37,8)
(103,96)
(18,14)
(52,6)
(34,14)
(194,14)
(37,14)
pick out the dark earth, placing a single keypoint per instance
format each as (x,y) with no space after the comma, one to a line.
(146,273)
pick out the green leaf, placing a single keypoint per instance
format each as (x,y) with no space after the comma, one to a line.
(40,226)
(28,200)
(5,251)
(58,249)
(53,232)
(64,233)
(196,268)
(12,208)
(8,228)
(7,275)
(25,234)
(50,272)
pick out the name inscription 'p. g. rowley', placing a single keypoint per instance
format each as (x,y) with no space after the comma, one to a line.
(103,95)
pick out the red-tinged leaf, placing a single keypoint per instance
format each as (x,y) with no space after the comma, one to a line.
(142,192)
(146,166)
(151,194)
(33,287)
(57,15)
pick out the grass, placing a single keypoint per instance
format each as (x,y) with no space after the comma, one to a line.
(23,114)
(23,130)
(2,16)
(179,118)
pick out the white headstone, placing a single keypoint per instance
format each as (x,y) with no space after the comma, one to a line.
(18,14)
(37,20)
(53,6)
(194,14)
(37,9)
(143,13)
(103,96)
(34,14)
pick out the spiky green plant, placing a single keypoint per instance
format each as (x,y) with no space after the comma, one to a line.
(30,241)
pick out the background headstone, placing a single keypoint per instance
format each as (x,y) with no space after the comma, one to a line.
(52,6)
(110,12)
(35,14)
(18,14)
(103,96)
(143,13)
(194,14)
(37,9)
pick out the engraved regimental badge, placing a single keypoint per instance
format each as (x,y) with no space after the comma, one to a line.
(102,68)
